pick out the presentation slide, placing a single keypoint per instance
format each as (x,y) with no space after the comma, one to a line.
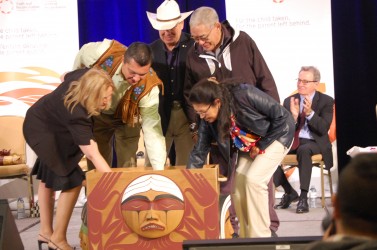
(38,43)
(289,34)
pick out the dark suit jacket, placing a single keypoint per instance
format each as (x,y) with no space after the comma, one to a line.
(319,125)
(163,72)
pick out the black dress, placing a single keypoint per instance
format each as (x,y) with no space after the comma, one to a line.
(54,134)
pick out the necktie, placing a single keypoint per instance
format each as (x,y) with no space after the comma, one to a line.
(301,122)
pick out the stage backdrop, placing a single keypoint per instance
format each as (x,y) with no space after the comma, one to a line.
(38,42)
(354,44)
(290,34)
(126,21)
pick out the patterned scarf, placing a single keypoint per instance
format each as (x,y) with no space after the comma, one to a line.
(242,140)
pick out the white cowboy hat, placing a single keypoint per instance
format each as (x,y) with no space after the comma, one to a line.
(168,15)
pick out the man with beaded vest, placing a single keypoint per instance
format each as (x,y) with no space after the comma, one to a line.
(135,102)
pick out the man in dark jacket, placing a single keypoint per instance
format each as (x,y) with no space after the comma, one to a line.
(223,52)
(170,52)
(316,112)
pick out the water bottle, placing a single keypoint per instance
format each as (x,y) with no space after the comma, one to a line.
(20,208)
(313,197)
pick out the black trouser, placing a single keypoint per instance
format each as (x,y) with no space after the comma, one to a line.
(304,152)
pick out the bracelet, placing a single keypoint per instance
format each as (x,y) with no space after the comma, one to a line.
(193,127)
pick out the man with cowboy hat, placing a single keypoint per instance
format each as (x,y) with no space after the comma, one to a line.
(170,52)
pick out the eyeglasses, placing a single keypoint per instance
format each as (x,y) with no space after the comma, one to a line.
(203,38)
(204,112)
(304,81)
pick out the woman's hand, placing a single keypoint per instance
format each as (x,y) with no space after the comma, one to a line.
(91,152)
(254,151)
(195,138)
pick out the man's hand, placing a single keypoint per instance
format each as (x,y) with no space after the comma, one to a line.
(307,108)
(295,107)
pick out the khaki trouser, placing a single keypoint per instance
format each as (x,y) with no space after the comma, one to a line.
(179,132)
(250,194)
(109,133)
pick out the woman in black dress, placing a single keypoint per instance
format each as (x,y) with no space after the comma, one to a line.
(58,127)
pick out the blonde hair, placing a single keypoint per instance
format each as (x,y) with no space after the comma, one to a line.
(89,90)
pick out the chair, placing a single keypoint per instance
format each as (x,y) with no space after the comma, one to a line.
(291,160)
(11,138)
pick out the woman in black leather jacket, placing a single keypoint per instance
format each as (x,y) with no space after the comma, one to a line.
(254,133)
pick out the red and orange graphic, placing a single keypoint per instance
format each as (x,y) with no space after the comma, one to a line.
(21,89)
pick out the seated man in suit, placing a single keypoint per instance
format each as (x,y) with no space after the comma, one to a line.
(354,220)
(313,113)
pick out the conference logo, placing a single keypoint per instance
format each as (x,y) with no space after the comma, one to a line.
(6,6)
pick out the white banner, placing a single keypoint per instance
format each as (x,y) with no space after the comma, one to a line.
(38,42)
(289,34)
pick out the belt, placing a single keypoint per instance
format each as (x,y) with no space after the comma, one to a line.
(176,105)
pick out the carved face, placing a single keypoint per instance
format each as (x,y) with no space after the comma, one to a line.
(151,206)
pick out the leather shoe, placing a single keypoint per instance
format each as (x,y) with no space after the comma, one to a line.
(302,206)
(286,200)
(235,235)
(274,234)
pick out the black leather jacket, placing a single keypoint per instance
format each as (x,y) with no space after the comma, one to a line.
(255,112)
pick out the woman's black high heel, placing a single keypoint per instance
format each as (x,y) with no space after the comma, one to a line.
(41,242)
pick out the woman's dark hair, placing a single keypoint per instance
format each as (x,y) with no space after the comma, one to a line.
(206,91)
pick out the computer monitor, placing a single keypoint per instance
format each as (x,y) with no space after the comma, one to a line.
(9,236)
(279,243)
